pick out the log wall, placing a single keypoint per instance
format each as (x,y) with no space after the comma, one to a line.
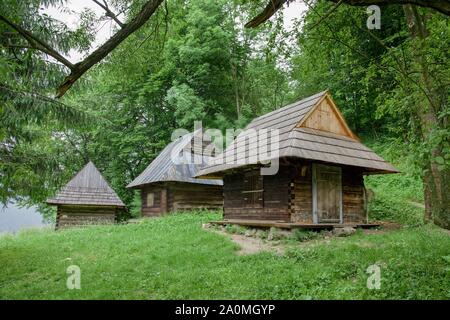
(301,194)
(353,195)
(275,197)
(76,216)
(353,203)
(174,196)
(288,196)
(157,208)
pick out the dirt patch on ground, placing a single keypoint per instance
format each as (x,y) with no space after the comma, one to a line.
(251,245)
(384,227)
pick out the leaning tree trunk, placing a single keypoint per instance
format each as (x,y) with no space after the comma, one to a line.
(436,180)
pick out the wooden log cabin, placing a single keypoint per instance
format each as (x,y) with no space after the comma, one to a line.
(87,199)
(322,165)
(167,185)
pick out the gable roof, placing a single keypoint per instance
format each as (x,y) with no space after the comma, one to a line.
(298,141)
(325,116)
(88,187)
(163,169)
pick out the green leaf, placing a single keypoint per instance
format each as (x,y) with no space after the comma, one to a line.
(439,160)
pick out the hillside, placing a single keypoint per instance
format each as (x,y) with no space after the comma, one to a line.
(173,257)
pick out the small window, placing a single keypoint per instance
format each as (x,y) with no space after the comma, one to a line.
(253,189)
(150,199)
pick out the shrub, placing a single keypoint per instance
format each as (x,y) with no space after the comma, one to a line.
(397,197)
(235,229)
(262,234)
(304,235)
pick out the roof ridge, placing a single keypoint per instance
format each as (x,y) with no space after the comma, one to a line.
(163,169)
(306,99)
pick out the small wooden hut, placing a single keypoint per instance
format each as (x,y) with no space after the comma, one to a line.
(321,168)
(168,186)
(87,199)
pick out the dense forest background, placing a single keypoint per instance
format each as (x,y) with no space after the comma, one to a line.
(195,60)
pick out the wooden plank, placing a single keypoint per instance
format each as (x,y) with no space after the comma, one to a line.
(288,225)
(72,216)
(326,117)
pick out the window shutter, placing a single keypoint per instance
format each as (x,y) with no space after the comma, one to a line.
(253,193)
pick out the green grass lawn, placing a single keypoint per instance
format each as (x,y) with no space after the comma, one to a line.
(173,257)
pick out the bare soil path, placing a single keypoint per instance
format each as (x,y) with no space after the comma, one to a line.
(252,245)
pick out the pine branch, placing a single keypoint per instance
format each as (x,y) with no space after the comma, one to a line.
(63,111)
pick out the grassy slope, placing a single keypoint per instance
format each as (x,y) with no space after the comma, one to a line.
(398,197)
(173,257)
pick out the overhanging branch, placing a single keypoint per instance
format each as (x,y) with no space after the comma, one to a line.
(37,43)
(443,6)
(80,68)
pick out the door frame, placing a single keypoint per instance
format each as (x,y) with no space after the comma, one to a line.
(314,192)
(163,201)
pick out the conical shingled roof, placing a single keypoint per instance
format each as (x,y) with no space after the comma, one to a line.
(88,187)
(163,168)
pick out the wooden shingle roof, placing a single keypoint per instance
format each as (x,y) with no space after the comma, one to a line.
(88,187)
(297,140)
(164,169)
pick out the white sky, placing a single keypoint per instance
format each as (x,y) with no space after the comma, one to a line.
(105,30)
(292,12)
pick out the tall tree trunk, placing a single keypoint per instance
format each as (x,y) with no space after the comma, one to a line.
(234,72)
(436,188)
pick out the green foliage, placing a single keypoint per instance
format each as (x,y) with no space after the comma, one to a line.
(194,64)
(396,197)
(135,207)
(262,233)
(388,208)
(188,106)
(235,229)
(196,61)
(338,54)
(31,152)
(389,83)
(304,235)
(174,258)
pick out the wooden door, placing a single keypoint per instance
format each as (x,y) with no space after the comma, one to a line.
(327,194)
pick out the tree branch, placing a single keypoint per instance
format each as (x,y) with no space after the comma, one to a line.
(37,43)
(270,9)
(80,68)
(401,68)
(109,13)
(443,6)
(326,15)
(81,115)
